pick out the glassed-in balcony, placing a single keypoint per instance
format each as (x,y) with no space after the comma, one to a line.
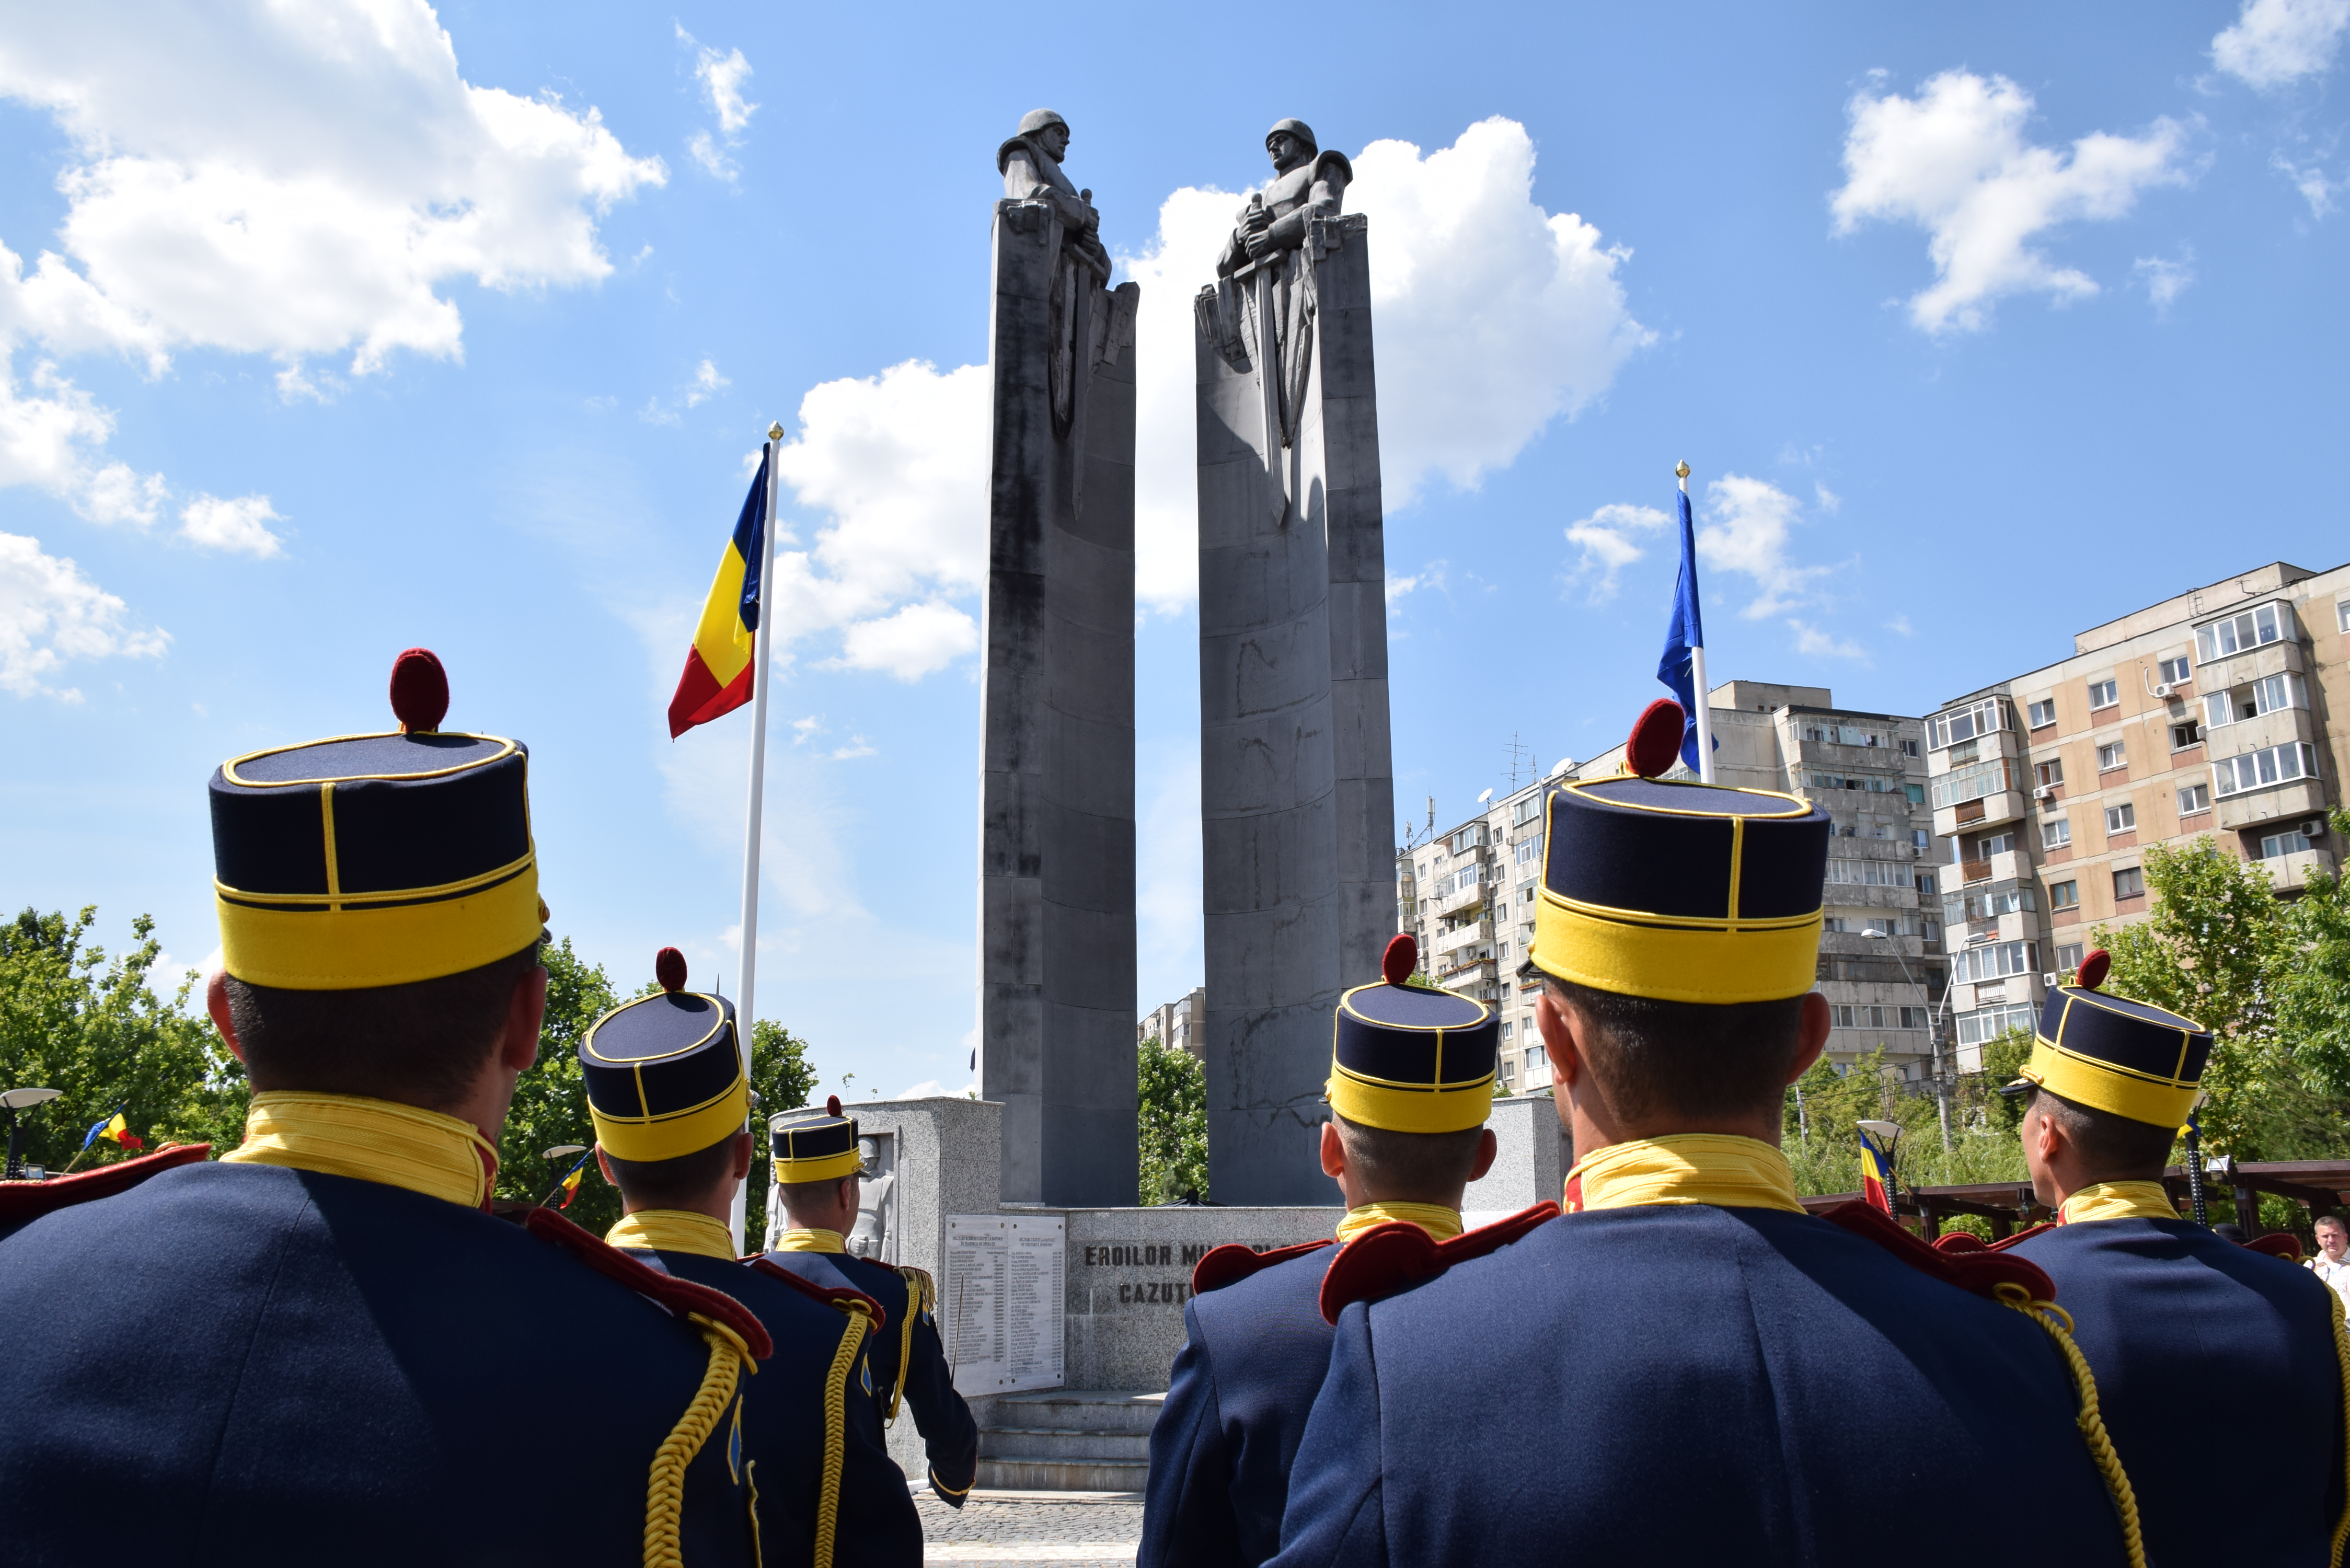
(1978,795)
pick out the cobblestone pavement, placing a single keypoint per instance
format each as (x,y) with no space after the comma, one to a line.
(1083,1530)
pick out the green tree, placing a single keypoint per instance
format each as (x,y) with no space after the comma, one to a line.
(1826,1156)
(2313,987)
(782,1075)
(1171,1115)
(73,1020)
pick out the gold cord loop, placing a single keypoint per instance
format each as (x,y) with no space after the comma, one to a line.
(665,1490)
(836,1427)
(2057,1323)
(921,1295)
(2342,1356)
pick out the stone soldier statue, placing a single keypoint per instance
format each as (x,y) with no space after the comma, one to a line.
(1031,166)
(1260,283)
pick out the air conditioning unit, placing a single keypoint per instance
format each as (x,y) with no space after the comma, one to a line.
(2314,828)
(2044,791)
(2162,689)
(2049,980)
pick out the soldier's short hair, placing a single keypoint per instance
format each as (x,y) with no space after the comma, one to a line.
(1685,1058)
(1408,1168)
(424,1043)
(674,1183)
(2114,1147)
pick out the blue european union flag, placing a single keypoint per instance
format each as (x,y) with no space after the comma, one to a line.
(1686,631)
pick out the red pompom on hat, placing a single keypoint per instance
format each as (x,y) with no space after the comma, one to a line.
(669,968)
(419,691)
(1401,958)
(2092,972)
(832,1105)
(1655,741)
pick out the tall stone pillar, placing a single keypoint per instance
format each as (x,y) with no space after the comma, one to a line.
(1056,925)
(1297,792)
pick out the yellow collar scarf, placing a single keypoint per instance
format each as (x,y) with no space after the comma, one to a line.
(369,1140)
(1726,1171)
(2118,1201)
(673,1230)
(810,1241)
(1439,1222)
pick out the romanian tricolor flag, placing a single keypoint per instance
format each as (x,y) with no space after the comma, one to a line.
(717,678)
(571,1182)
(114,1130)
(1875,1176)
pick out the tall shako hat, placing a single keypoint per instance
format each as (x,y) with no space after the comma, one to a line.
(378,860)
(2111,1053)
(1410,1058)
(1680,890)
(813,1145)
(665,1072)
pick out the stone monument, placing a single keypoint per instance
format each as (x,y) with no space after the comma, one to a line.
(1296,786)
(1056,986)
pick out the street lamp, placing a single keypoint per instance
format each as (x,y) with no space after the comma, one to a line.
(560,1151)
(1933,1035)
(16,1100)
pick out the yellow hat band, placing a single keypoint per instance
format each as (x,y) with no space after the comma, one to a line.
(1673,959)
(825,1168)
(2103,1086)
(1409,1108)
(355,941)
(648,1138)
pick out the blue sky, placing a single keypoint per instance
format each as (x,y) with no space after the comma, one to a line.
(337,332)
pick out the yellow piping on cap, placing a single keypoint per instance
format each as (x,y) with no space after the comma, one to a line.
(1672,958)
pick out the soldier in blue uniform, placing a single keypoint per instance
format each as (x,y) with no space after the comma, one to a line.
(817,1162)
(1686,1367)
(1412,1083)
(666,1088)
(323,1345)
(2180,1324)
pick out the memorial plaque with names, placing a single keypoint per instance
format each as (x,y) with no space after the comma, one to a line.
(1002,1301)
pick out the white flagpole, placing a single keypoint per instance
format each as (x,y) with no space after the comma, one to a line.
(1704,714)
(744,996)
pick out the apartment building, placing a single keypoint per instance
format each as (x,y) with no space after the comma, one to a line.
(1173,1023)
(1468,893)
(2211,712)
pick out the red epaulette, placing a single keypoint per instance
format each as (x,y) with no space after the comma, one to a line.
(1960,1241)
(1232,1263)
(1978,1269)
(679,1296)
(22,1202)
(1399,1255)
(2281,1244)
(831,1295)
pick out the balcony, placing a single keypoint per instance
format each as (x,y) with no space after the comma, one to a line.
(2251,665)
(1448,943)
(2290,873)
(1988,748)
(1461,898)
(2007,866)
(2275,803)
(2273,728)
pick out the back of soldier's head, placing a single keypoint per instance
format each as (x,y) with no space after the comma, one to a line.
(1681,922)
(378,897)
(2118,1077)
(2112,1148)
(1411,1082)
(666,1090)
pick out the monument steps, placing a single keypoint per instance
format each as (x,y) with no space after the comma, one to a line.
(1067,1439)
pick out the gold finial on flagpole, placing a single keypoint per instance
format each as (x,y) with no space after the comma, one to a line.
(775,431)
(1681,469)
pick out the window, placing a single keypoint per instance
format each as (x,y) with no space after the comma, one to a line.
(1974,782)
(1525,895)
(2068,957)
(1920,840)
(1868,873)
(2122,818)
(2285,691)
(1913,1018)
(2275,843)
(1993,844)
(1917,794)
(2185,736)
(1991,962)
(2064,895)
(2042,712)
(2103,694)
(1468,838)
(1925,883)
(1501,951)
(1990,1022)
(1956,724)
(2112,756)
(1533,1057)
(2272,764)
(2175,671)
(1930,930)
(2129,882)
(1467,877)
(1528,850)
(2342,614)
(1527,809)
(1840,1015)
(2048,775)
(1505,1029)
(2194,798)
(1835,923)
(2056,835)
(1443,887)
(1908,748)
(2250,629)
(2010,900)
(2219,709)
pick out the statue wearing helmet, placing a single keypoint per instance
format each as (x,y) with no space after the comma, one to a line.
(1031,166)
(1307,183)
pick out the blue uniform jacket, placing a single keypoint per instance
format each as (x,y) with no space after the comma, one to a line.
(950,1437)
(1253,1359)
(783,1428)
(1682,1383)
(2191,1335)
(244,1364)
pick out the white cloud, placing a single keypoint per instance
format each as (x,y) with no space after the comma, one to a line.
(1811,639)
(2276,42)
(2164,280)
(652,413)
(932,1089)
(235,525)
(703,149)
(50,613)
(1830,501)
(1899,623)
(1492,318)
(1954,161)
(1432,577)
(707,383)
(2316,187)
(805,730)
(722,78)
(296,181)
(1749,528)
(858,746)
(1606,539)
(913,643)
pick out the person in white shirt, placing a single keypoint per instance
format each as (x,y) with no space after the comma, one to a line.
(2331,1263)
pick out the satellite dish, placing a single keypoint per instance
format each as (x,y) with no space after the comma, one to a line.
(1566,765)
(21,1099)
(1485,799)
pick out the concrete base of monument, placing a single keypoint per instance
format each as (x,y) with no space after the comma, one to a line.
(1068,1439)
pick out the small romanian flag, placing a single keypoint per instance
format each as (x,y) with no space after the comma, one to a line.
(1876,1176)
(114,1130)
(571,1182)
(717,678)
